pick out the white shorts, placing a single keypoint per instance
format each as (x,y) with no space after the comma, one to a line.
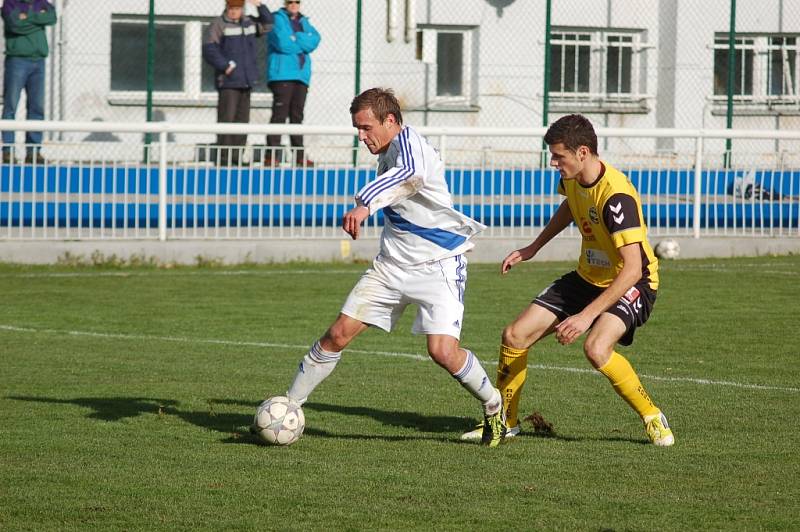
(386,289)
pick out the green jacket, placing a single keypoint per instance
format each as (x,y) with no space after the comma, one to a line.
(25,22)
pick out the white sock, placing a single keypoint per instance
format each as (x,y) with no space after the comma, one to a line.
(314,368)
(473,377)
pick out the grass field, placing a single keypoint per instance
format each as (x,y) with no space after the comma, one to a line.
(126,395)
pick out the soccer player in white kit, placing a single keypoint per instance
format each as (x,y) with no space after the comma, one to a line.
(421,259)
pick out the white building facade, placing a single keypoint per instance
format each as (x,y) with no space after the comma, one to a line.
(623,63)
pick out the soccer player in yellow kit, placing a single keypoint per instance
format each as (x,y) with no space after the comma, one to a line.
(611,293)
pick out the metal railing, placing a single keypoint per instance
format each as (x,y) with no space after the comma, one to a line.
(171,190)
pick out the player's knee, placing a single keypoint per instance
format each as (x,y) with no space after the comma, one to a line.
(596,352)
(444,355)
(514,337)
(335,339)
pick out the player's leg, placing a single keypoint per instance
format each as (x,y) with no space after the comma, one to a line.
(599,348)
(464,366)
(323,356)
(372,301)
(533,324)
(438,288)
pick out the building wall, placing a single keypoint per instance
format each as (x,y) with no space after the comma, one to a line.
(677,72)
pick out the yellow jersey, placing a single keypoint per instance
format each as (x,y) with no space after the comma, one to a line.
(608,214)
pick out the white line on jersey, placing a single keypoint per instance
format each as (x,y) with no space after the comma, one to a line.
(412,356)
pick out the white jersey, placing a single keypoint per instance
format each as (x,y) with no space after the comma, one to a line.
(420,223)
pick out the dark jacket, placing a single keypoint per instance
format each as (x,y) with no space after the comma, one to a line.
(228,41)
(289,50)
(25,22)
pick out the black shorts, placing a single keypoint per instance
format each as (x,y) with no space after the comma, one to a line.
(571,294)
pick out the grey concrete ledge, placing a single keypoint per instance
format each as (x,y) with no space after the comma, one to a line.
(278,250)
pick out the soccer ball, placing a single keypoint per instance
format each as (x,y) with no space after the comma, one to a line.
(668,249)
(279,421)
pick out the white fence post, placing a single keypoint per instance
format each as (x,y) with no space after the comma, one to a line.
(698,181)
(162,186)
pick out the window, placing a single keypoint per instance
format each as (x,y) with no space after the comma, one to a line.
(619,67)
(571,56)
(765,71)
(782,66)
(450,52)
(743,70)
(601,67)
(129,57)
(180,74)
(449,64)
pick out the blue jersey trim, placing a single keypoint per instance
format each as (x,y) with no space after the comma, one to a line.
(440,237)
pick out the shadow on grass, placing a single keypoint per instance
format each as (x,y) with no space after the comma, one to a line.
(236,426)
(120,408)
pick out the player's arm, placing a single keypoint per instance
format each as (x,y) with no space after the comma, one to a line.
(571,328)
(560,220)
(398,183)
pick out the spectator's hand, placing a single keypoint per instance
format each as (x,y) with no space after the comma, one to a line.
(23,16)
(351,223)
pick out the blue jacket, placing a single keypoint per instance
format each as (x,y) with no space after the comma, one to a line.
(285,47)
(228,41)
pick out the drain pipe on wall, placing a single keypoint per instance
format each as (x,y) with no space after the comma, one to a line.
(411,21)
(391,20)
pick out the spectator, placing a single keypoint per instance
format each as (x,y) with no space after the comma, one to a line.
(26,50)
(230,47)
(289,44)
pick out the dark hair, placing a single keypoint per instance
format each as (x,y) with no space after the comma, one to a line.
(381,101)
(573,131)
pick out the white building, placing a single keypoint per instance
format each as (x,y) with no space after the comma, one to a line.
(624,63)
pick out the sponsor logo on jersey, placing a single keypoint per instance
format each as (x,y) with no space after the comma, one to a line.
(596,257)
(593,216)
(618,215)
(586,227)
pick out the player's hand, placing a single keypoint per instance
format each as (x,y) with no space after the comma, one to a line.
(351,223)
(229,70)
(571,329)
(513,258)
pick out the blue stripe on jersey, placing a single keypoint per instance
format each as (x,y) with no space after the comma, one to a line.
(403,173)
(440,237)
(406,171)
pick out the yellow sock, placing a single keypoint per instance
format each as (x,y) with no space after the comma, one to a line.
(627,384)
(512,369)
